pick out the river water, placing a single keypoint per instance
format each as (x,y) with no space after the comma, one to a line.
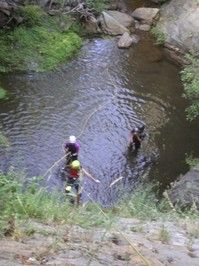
(100,96)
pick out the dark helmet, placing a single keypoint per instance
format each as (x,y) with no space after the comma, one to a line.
(141,128)
(134,130)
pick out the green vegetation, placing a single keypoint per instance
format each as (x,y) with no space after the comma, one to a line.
(17,203)
(3,140)
(32,15)
(190,78)
(99,5)
(34,202)
(40,44)
(159,35)
(3,94)
(191,161)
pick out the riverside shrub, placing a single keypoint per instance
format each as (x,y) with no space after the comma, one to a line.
(3,93)
(32,14)
(158,35)
(38,47)
(98,5)
(190,78)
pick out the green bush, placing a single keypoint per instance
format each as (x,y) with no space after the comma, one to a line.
(3,140)
(3,94)
(37,48)
(32,14)
(159,36)
(190,78)
(191,161)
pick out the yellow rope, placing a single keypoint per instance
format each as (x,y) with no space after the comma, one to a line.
(55,163)
(147,263)
(89,117)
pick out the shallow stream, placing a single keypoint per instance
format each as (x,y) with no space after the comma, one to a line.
(100,95)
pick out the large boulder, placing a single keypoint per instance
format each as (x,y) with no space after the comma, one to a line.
(4,5)
(179,22)
(185,192)
(146,15)
(126,40)
(122,18)
(110,25)
(142,27)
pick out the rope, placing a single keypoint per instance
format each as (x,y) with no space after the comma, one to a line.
(97,109)
(147,263)
(89,117)
(55,163)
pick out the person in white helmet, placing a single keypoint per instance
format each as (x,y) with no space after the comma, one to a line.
(71,148)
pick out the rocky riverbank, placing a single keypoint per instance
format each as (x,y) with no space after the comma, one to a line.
(128,242)
(37,228)
(185,191)
(179,21)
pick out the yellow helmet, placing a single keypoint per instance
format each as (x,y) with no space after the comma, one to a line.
(75,164)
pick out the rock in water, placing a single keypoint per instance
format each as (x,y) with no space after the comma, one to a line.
(126,40)
(110,25)
(122,18)
(143,27)
(146,15)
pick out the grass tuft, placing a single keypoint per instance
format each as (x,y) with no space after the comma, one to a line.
(4,141)
(3,94)
(190,79)
(158,35)
(32,14)
(164,235)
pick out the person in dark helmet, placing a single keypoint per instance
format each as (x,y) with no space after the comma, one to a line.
(136,138)
(142,134)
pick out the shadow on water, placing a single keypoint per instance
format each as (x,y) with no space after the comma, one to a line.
(132,87)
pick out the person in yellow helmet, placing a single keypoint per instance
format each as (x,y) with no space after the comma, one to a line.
(74,177)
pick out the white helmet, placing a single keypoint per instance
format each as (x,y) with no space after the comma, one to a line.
(72,139)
